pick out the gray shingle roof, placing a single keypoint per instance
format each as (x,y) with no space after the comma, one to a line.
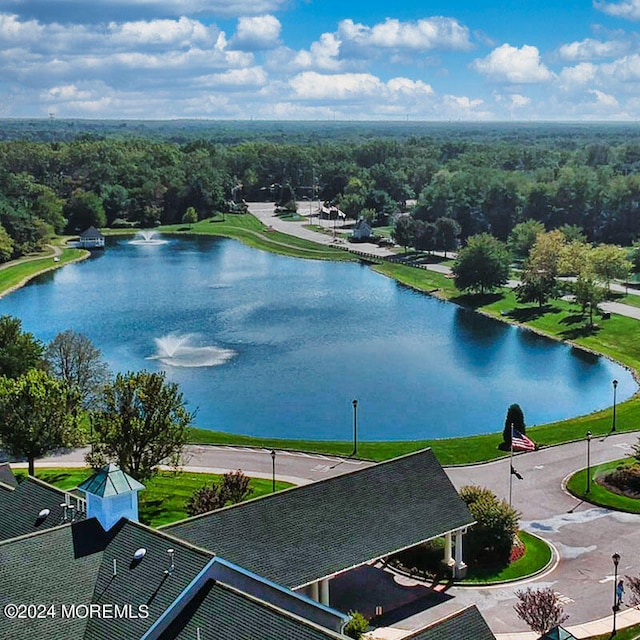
(20,508)
(467,624)
(306,533)
(73,565)
(224,613)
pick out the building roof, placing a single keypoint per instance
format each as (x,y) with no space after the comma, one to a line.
(74,565)
(6,476)
(110,481)
(467,624)
(90,234)
(298,536)
(222,612)
(20,508)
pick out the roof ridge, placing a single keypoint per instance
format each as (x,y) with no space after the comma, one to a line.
(322,481)
(33,534)
(176,539)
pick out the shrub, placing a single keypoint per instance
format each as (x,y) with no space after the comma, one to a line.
(356,626)
(232,488)
(489,541)
(515,417)
(626,479)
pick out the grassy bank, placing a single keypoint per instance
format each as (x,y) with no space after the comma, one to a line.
(249,230)
(577,485)
(163,501)
(18,273)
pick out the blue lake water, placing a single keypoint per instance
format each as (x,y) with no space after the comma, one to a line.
(267,345)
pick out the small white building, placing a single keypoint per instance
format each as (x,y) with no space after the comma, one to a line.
(91,239)
(362,230)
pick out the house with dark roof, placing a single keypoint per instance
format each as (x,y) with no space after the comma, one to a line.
(100,575)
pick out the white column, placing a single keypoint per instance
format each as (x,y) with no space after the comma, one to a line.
(313,592)
(324,591)
(461,567)
(448,557)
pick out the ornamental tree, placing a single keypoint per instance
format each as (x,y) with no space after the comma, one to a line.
(514,417)
(140,421)
(540,609)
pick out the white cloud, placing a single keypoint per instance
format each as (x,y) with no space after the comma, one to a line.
(323,54)
(629,9)
(604,100)
(256,33)
(236,78)
(590,49)
(626,69)
(512,65)
(427,34)
(577,76)
(310,85)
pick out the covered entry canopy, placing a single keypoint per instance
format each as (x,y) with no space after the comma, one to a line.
(302,535)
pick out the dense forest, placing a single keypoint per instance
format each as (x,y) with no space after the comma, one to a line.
(62,176)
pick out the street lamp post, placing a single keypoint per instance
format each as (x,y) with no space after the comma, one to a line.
(616,559)
(615,386)
(355,427)
(273,471)
(588,461)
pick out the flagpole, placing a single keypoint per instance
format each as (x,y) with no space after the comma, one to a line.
(511,466)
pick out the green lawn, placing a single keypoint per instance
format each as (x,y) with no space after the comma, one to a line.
(630,633)
(577,485)
(536,557)
(28,268)
(163,501)
(248,229)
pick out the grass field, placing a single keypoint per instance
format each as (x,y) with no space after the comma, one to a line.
(536,557)
(165,496)
(577,485)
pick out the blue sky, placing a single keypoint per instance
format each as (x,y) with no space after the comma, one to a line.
(306,59)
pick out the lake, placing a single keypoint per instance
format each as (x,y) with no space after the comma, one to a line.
(262,344)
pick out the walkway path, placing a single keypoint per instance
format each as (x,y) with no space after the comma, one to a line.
(584,536)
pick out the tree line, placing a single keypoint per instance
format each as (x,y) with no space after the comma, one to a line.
(454,186)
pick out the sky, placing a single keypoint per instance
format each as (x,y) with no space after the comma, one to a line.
(575,60)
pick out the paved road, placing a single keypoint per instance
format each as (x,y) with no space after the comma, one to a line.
(584,536)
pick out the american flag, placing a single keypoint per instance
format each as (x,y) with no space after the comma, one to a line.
(521,442)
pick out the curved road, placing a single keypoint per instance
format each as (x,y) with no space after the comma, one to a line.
(585,536)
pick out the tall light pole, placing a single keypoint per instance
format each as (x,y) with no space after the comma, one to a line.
(615,386)
(273,471)
(588,461)
(355,427)
(616,559)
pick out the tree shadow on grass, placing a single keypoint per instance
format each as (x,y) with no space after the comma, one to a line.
(583,331)
(150,510)
(476,300)
(576,318)
(526,314)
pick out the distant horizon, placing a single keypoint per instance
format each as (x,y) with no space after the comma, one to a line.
(277,60)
